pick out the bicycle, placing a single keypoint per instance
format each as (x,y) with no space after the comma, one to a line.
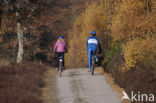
(93,63)
(60,66)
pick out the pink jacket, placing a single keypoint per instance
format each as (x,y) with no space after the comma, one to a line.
(60,46)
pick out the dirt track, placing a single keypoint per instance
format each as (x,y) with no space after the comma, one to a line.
(77,86)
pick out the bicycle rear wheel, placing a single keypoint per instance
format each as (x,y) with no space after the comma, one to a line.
(92,67)
(60,70)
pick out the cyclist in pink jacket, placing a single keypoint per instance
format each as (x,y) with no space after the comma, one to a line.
(60,48)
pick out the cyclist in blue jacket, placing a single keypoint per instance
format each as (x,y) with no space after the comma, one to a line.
(92,44)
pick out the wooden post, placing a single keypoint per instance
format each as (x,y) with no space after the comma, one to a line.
(20,43)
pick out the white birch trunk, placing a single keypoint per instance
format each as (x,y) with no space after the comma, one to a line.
(20,43)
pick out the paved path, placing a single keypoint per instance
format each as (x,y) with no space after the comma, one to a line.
(77,86)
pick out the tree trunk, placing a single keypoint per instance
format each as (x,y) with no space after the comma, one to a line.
(20,43)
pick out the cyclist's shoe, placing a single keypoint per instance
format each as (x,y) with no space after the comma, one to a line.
(56,69)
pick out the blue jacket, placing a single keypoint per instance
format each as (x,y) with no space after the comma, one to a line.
(93,43)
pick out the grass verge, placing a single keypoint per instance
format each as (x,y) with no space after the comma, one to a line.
(49,92)
(21,83)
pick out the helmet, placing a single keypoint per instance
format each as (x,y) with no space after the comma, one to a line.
(61,37)
(93,33)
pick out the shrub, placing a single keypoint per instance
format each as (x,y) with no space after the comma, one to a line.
(113,58)
(139,50)
(94,18)
(133,18)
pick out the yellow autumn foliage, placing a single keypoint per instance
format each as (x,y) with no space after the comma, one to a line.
(134,25)
(132,22)
(139,50)
(94,18)
(133,18)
